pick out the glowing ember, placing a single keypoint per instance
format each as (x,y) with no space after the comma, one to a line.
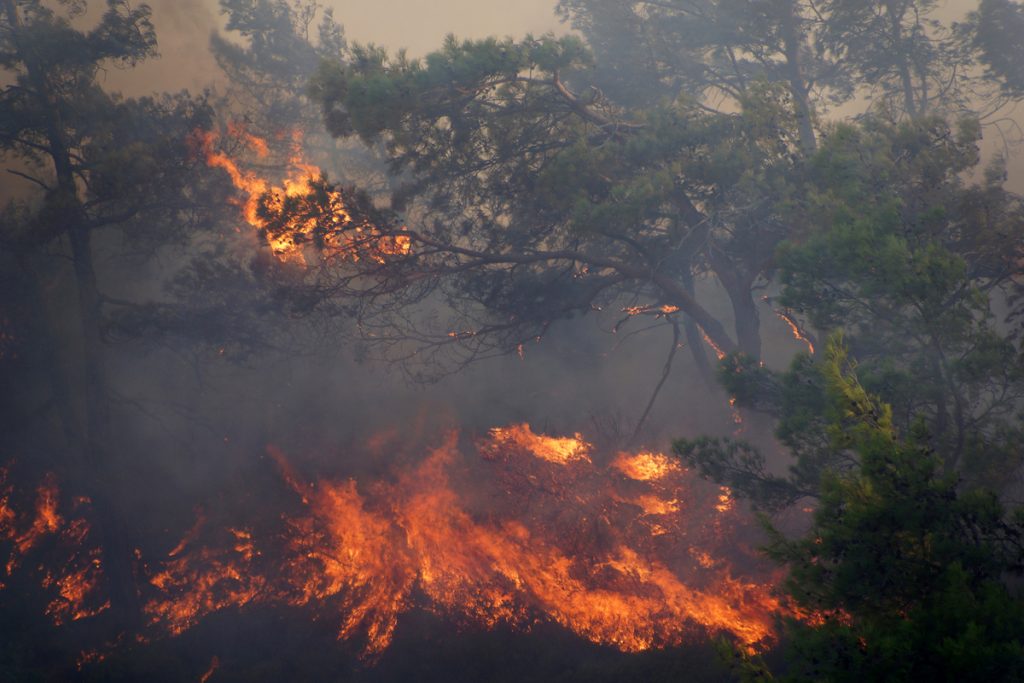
(214,665)
(795,329)
(46,521)
(714,347)
(75,581)
(737,417)
(80,580)
(658,311)
(725,501)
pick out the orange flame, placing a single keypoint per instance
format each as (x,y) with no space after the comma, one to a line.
(367,554)
(560,450)
(645,466)
(342,236)
(76,580)
(798,334)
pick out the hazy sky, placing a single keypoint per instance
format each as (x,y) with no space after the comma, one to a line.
(184,26)
(420,25)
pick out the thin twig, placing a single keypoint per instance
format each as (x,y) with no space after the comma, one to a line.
(664,376)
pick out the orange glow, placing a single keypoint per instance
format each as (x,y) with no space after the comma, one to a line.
(214,665)
(365,554)
(515,528)
(737,417)
(311,215)
(560,450)
(714,347)
(7,516)
(197,584)
(87,657)
(645,466)
(659,311)
(47,519)
(725,500)
(798,334)
(653,505)
(80,580)
(75,581)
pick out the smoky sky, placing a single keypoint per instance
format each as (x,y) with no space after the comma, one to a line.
(184,27)
(419,26)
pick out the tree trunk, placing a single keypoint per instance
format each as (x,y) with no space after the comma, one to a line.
(798,89)
(896,35)
(99,476)
(101,472)
(695,341)
(748,321)
(737,287)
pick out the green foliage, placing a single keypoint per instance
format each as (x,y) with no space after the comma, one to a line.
(994,30)
(903,567)
(268,69)
(912,264)
(908,262)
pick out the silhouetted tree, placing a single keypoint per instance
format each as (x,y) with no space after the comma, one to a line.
(99,166)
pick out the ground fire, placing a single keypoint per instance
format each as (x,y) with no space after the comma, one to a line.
(629,550)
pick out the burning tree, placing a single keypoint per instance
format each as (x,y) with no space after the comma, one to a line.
(529,195)
(531,183)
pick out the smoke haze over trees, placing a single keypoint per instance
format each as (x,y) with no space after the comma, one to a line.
(254,249)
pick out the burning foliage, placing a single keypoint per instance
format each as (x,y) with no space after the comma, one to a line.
(72,585)
(304,210)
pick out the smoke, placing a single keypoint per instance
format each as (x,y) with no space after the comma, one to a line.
(419,26)
(195,427)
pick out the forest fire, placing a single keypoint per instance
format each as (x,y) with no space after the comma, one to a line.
(798,332)
(72,586)
(300,211)
(635,554)
(230,224)
(628,555)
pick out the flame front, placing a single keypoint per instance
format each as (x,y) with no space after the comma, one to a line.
(628,555)
(645,466)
